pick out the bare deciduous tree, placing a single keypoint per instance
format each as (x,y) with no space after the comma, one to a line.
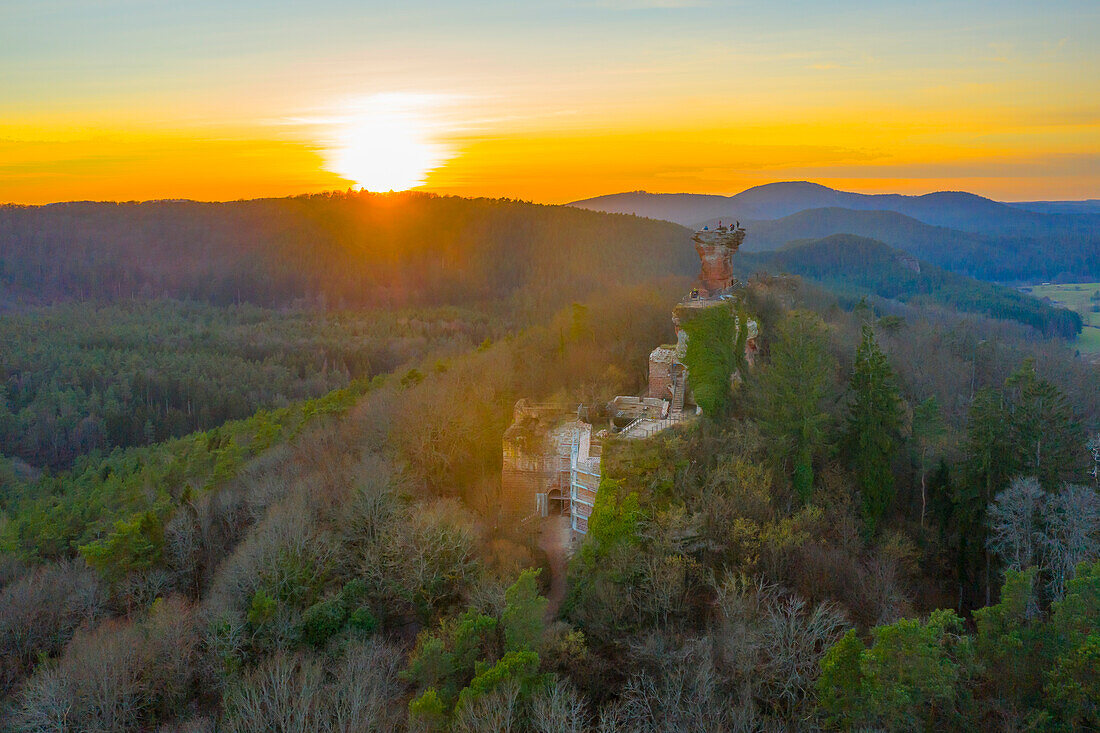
(1053,531)
(121,676)
(282,695)
(1014,517)
(495,712)
(39,613)
(793,641)
(682,695)
(294,692)
(559,708)
(1071,533)
(1094,449)
(366,693)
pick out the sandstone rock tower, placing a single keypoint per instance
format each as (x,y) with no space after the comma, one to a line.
(716,248)
(668,377)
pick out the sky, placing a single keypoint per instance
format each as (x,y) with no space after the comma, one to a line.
(546,101)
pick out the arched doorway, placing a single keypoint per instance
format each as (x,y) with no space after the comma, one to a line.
(557,503)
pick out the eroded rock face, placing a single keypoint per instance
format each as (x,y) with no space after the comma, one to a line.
(716,248)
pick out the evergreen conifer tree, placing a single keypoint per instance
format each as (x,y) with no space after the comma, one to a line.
(791,391)
(874,428)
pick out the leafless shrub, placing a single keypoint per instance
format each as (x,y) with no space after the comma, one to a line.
(495,712)
(661,595)
(881,598)
(486,594)
(285,530)
(121,676)
(221,519)
(292,692)
(559,708)
(183,550)
(1094,452)
(768,646)
(793,639)
(370,514)
(45,704)
(284,694)
(612,718)
(366,694)
(11,567)
(682,695)
(426,557)
(139,590)
(197,724)
(201,535)
(39,613)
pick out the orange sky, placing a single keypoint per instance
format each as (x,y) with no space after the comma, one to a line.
(129,99)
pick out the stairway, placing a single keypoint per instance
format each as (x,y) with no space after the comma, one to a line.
(679,380)
(632,428)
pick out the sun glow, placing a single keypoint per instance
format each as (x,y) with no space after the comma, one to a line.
(388,142)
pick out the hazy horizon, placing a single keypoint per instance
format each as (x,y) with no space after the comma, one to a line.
(426,190)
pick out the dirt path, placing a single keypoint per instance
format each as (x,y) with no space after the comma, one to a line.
(554,541)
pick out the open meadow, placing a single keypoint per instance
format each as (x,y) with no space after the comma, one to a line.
(1083,298)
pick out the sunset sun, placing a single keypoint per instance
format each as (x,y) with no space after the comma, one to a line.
(387,142)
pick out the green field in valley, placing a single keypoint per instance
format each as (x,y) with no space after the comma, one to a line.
(1081,297)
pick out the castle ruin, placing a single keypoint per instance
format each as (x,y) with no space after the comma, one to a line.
(551,453)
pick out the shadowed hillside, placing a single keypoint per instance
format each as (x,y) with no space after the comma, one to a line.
(986,257)
(859,266)
(355,249)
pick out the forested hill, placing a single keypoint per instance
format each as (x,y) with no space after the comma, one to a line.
(860,266)
(897,230)
(984,256)
(354,249)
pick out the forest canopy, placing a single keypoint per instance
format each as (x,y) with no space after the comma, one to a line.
(889,521)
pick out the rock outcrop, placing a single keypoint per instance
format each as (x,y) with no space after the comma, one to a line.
(716,248)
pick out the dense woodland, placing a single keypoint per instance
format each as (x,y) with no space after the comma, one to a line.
(859,266)
(76,379)
(1064,254)
(891,523)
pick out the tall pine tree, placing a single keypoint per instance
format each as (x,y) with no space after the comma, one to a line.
(989,465)
(1043,432)
(874,428)
(790,393)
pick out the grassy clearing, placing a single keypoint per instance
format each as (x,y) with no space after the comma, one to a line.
(1081,297)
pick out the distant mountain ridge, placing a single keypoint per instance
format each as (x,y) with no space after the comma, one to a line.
(1084,206)
(960,231)
(954,209)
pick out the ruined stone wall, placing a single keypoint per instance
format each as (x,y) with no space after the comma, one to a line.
(660,372)
(535,457)
(524,474)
